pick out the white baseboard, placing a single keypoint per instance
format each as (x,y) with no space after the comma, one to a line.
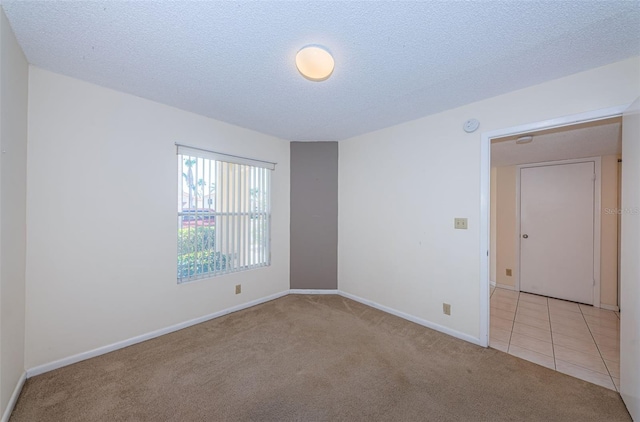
(609,307)
(420,321)
(41,369)
(506,287)
(493,283)
(14,398)
(313,291)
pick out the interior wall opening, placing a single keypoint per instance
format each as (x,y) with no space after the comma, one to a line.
(554,231)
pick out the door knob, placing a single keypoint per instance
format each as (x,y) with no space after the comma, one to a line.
(526,236)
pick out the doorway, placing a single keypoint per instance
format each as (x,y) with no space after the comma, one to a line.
(541,309)
(559,229)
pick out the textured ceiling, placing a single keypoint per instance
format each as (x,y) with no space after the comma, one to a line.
(395,61)
(592,139)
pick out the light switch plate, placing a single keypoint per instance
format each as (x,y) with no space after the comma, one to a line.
(460,223)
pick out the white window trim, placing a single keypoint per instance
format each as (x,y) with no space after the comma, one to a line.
(241,218)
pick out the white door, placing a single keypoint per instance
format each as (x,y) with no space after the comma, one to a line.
(630,262)
(556,229)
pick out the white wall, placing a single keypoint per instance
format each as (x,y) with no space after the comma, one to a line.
(506,250)
(630,268)
(493,213)
(401,187)
(609,232)
(101,240)
(13,144)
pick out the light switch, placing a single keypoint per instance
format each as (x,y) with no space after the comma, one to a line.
(460,223)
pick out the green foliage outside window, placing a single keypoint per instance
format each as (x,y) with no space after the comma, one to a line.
(197,253)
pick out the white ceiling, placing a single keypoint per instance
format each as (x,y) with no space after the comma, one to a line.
(591,139)
(395,61)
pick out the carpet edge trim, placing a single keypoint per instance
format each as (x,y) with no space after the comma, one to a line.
(14,397)
(41,369)
(408,317)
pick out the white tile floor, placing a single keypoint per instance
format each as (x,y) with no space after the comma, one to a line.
(578,340)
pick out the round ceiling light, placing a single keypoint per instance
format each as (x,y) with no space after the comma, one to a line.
(315,63)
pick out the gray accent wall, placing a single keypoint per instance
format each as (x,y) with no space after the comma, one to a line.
(314,215)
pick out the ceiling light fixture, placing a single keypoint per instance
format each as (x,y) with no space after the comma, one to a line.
(524,139)
(315,63)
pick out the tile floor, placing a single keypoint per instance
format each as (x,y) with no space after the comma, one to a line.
(578,340)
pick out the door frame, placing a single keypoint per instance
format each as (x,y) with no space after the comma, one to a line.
(485,190)
(597,195)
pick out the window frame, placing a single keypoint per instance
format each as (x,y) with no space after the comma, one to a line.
(235,226)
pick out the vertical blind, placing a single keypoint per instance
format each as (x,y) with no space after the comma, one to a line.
(224,213)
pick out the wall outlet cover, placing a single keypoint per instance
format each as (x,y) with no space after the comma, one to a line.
(460,223)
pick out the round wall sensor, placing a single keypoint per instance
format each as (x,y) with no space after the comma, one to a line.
(471,125)
(524,139)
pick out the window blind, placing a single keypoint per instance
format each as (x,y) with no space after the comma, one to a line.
(220,156)
(224,214)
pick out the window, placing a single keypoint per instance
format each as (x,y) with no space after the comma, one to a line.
(224,213)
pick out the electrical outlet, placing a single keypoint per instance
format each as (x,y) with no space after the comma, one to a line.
(509,272)
(446,309)
(238,289)
(460,223)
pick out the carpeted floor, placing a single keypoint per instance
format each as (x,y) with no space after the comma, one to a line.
(311,358)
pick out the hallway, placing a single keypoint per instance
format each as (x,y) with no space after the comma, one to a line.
(578,340)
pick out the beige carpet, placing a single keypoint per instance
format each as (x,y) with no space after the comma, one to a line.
(311,358)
